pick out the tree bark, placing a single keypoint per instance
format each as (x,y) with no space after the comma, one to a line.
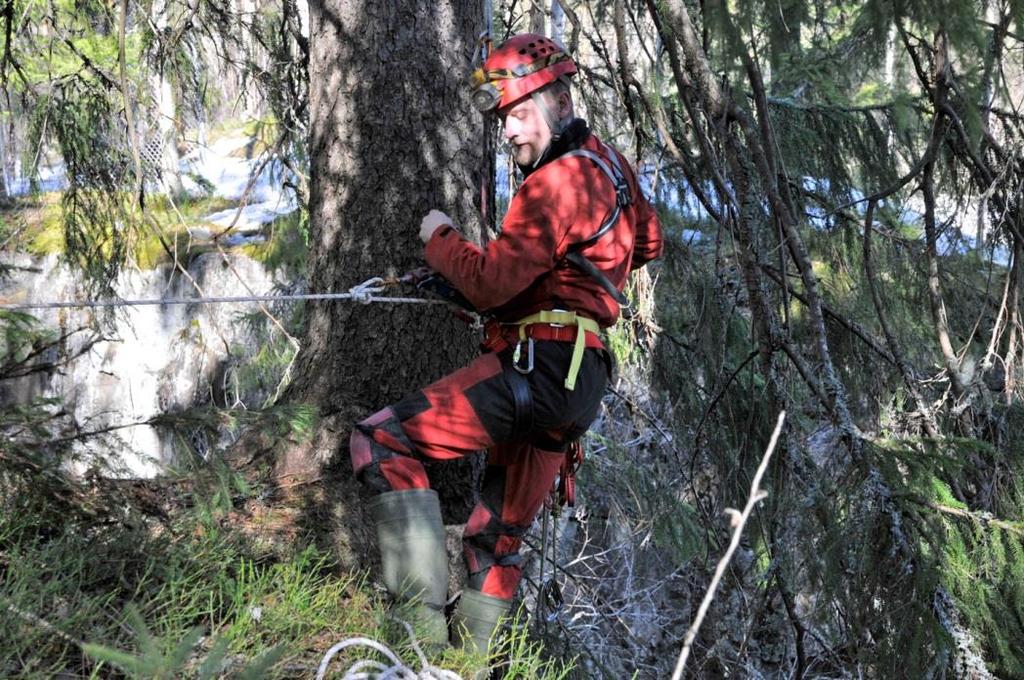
(935,301)
(1010,364)
(392,135)
(785,19)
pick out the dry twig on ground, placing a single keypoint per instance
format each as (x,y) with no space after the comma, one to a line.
(738,520)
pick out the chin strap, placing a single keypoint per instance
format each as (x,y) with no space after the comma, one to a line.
(553,123)
(556,126)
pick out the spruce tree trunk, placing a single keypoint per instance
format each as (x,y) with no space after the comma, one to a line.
(393,134)
(785,19)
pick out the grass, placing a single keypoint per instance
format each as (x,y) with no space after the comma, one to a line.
(188,597)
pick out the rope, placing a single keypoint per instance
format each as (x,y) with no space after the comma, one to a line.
(396,671)
(364,293)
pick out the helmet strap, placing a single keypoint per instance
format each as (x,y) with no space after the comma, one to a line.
(556,126)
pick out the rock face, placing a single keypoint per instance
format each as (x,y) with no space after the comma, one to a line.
(149,360)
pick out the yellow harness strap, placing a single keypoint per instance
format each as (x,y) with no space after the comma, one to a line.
(560,318)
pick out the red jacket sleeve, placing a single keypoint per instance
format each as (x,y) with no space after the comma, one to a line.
(529,246)
(648,243)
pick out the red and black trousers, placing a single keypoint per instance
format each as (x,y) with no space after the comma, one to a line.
(475,408)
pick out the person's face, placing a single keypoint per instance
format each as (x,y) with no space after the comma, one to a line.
(526,130)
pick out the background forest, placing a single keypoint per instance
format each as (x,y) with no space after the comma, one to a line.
(841,188)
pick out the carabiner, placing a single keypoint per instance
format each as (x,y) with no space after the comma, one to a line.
(517,356)
(551,596)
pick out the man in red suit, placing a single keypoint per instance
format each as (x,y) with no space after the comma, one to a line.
(553,278)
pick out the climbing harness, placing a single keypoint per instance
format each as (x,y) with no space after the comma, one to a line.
(557,319)
(550,600)
(549,595)
(566,487)
(522,400)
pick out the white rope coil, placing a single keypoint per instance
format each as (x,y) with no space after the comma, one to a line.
(360,670)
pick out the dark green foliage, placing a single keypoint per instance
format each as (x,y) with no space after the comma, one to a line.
(820,142)
(99,223)
(824,531)
(976,555)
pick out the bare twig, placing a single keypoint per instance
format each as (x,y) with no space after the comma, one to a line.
(890,337)
(739,520)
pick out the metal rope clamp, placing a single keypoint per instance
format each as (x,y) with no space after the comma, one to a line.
(554,601)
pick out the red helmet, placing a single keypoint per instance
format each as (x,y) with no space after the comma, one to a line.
(523,64)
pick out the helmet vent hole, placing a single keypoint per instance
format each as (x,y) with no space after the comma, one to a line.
(522,51)
(534,55)
(533,44)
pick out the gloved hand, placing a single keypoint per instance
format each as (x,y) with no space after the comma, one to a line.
(433,220)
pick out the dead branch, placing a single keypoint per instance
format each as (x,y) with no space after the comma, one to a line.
(858,330)
(737,520)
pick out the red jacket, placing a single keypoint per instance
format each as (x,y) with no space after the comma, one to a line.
(560,203)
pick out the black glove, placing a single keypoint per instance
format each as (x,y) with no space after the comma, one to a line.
(432,282)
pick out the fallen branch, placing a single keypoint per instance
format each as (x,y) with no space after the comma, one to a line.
(984,518)
(738,521)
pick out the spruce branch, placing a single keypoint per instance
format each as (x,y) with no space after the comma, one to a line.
(855,328)
(983,518)
(906,371)
(737,520)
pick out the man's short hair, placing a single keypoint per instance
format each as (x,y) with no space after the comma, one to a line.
(557,87)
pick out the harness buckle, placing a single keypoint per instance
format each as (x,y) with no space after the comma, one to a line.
(558,325)
(622,194)
(517,356)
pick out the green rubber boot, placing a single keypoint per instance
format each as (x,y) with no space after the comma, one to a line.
(476,619)
(413,559)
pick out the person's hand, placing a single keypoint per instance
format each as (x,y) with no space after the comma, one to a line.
(433,220)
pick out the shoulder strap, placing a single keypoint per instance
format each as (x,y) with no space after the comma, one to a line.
(580,261)
(623,198)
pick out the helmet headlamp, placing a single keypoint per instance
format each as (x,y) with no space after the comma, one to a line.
(486,97)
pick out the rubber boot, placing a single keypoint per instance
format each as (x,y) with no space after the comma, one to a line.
(413,559)
(476,619)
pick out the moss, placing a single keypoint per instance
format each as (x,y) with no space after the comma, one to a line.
(162,228)
(287,244)
(191,208)
(40,221)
